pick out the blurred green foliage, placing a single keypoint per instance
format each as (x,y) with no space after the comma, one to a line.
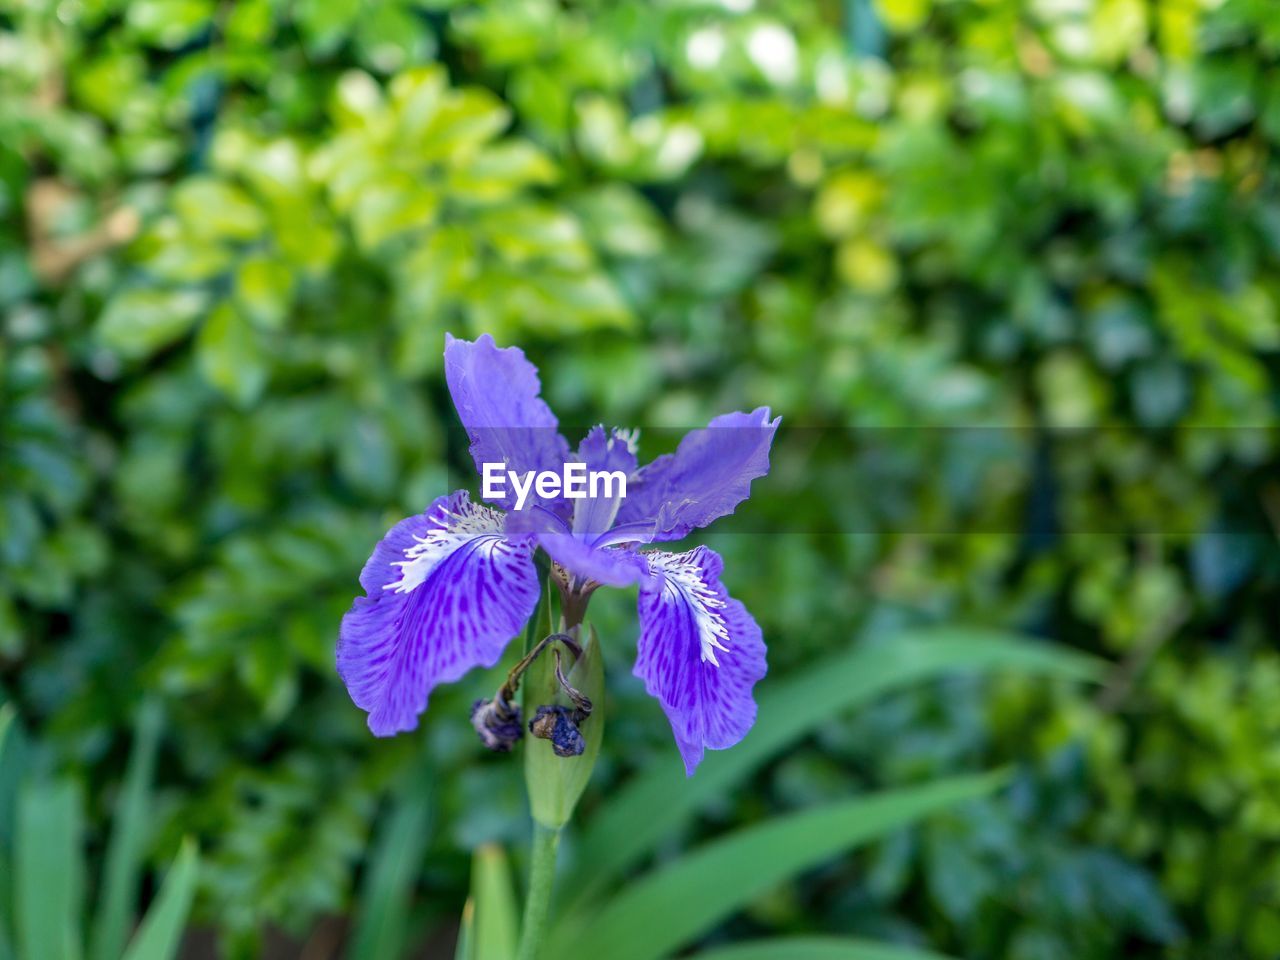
(42,893)
(232,237)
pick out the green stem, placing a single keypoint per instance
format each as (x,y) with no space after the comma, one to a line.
(542,878)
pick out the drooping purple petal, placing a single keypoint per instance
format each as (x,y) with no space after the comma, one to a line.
(497,394)
(580,554)
(445,592)
(707,477)
(700,653)
(612,566)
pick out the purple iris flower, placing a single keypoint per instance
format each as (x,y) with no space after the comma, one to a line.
(446,590)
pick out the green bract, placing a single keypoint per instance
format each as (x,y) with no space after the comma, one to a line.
(555,783)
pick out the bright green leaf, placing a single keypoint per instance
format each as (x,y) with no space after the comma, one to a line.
(137,323)
(230,355)
(382,917)
(495,922)
(161,931)
(210,207)
(264,287)
(122,873)
(48,871)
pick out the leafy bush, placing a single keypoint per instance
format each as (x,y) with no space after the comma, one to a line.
(233,237)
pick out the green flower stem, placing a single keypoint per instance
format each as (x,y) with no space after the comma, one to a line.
(542,879)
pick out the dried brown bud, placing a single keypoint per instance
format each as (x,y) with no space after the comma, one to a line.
(559,725)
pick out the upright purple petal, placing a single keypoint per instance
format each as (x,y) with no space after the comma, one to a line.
(707,477)
(609,453)
(497,395)
(611,449)
(700,653)
(445,592)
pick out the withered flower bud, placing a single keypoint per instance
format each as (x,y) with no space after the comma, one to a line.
(559,725)
(498,723)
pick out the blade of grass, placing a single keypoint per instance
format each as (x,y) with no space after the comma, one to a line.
(658,801)
(495,920)
(161,931)
(48,872)
(6,940)
(816,948)
(466,932)
(118,902)
(6,874)
(382,926)
(6,720)
(692,894)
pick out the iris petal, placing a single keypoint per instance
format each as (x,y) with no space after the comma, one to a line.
(612,566)
(445,592)
(580,554)
(602,452)
(706,478)
(497,395)
(700,652)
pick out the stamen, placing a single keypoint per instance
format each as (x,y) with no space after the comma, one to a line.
(630,436)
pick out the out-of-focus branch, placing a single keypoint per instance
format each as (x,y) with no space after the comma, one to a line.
(53,257)
(1120,683)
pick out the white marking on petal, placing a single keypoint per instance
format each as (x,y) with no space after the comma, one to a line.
(683,582)
(452,530)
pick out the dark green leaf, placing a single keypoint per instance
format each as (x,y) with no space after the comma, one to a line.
(700,889)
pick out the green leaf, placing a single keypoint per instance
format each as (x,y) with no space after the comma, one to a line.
(697,891)
(465,119)
(324,23)
(383,918)
(501,171)
(6,942)
(231,356)
(168,23)
(495,921)
(48,872)
(816,948)
(264,288)
(397,204)
(161,931)
(657,802)
(137,323)
(555,783)
(7,713)
(533,231)
(121,874)
(466,932)
(210,207)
